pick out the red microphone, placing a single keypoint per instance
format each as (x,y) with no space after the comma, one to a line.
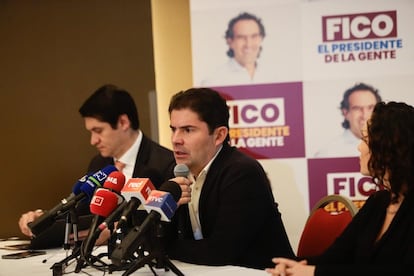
(115,181)
(105,205)
(104,202)
(115,202)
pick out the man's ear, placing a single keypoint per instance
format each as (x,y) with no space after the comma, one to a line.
(123,122)
(220,134)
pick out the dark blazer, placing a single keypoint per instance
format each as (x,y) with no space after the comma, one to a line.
(240,221)
(153,161)
(356,251)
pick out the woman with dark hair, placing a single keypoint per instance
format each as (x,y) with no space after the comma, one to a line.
(380,238)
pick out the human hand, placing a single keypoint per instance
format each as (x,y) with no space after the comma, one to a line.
(288,267)
(101,240)
(185,185)
(27,218)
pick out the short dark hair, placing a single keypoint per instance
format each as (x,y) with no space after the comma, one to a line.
(107,103)
(347,94)
(209,105)
(390,132)
(243,16)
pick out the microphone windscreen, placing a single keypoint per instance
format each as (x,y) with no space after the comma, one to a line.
(99,177)
(162,203)
(103,202)
(137,187)
(77,187)
(173,188)
(88,188)
(115,181)
(181,170)
(96,180)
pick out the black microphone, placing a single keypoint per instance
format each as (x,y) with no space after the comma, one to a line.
(130,207)
(161,205)
(85,190)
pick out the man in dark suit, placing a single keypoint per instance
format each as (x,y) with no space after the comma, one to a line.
(111,116)
(227,213)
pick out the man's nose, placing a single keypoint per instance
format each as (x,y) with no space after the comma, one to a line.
(94,140)
(176,138)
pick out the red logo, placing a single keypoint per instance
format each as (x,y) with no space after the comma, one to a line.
(359,26)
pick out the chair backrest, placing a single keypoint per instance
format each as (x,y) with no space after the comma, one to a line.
(323,226)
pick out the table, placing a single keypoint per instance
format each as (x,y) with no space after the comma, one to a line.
(40,265)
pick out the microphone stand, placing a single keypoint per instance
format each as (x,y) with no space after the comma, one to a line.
(158,253)
(71,220)
(87,258)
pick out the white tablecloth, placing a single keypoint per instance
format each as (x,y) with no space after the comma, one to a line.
(41,265)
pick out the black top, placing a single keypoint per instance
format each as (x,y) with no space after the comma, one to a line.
(356,251)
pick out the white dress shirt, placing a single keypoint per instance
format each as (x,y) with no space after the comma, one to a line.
(193,205)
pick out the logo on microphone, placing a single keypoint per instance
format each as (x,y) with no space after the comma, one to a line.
(138,187)
(97,200)
(163,203)
(113,180)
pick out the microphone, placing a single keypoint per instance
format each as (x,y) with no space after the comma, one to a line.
(115,181)
(95,181)
(136,191)
(181,170)
(102,205)
(139,188)
(85,187)
(104,202)
(161,205)
(77,187)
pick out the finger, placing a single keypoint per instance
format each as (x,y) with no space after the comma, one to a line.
(274,272)
(287,262)
(304,262)
(23,227)
(24,220)
(279,260)
(185,188)
(281,268)
(184,200)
